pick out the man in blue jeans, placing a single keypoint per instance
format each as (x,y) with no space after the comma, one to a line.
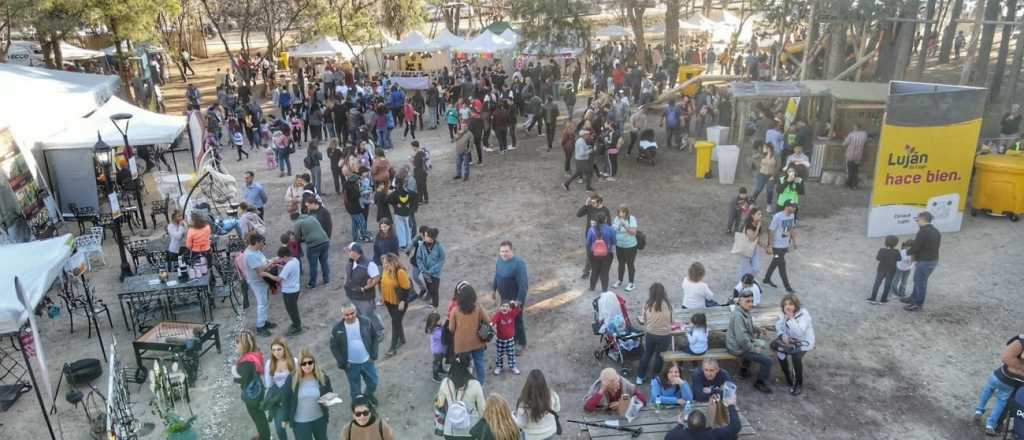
(309,232)
(354,346)
(1002,382)
(739,341)
(925,254)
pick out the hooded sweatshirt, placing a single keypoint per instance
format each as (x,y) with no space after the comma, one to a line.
(510,279)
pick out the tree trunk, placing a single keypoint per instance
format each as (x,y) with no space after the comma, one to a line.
(972,47)
(836,48)
(812,38)
(1018,57)
(58,55)
(706,10)
(635,14)
(922,53)
(671,24)
(1004,51)
(905,39)
(862,44)
(950,33)
(47,48)
(886,51)
(988,33)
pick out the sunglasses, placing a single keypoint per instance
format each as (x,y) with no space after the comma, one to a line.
(305,363)
(365,413)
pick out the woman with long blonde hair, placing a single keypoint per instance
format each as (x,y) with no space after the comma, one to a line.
(306,415)
(497,422)
(277,375)
(394,278)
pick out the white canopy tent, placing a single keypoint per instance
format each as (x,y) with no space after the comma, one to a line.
(325,47)
(29,53)
(614,31)
(75,53)
(35,264)
(145,128)
(486,42)
(413,42)
(511,36)
(447,39)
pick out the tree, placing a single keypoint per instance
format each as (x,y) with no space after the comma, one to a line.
(14,14)
(950,33)
(128,20)
(672,24)
(905,38)
(551,24)
(635,15)
(1004,50)
(400,16)
(280,16)
(922,54)
(988,33)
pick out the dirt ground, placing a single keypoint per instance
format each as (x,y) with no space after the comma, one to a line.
(877,371)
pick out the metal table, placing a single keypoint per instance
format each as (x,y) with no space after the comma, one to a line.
(149,300)
(185,340)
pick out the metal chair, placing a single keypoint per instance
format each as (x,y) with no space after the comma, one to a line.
(228,281)
(159,207)
(100,232)
(89,245)
(138,249)
(78,302)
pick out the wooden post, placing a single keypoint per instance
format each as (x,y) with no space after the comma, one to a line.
(922,53)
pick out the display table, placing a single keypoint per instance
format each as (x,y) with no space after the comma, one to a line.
(185,341)
(150,300)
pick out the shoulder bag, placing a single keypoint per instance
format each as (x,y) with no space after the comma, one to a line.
(741,245)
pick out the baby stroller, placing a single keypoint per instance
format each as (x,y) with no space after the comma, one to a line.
(619,341)
(648,147)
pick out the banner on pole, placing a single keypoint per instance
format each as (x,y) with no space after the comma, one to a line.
(925,156)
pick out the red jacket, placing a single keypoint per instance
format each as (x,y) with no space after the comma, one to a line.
(505,323)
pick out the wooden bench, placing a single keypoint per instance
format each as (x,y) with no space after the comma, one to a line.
(719,354)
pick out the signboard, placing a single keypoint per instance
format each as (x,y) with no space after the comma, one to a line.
(925,156)
(19,177)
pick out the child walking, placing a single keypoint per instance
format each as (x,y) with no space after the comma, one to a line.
(905,265)
(504,322)
(437,347)
(887,258)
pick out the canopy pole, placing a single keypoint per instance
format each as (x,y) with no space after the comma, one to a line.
(35,385)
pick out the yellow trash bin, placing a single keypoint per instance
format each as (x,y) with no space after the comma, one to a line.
(704,149)
(999,186)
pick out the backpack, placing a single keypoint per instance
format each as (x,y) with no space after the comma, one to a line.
(457,419)
(672,116)
(599,248)
(426,158)
(307,162)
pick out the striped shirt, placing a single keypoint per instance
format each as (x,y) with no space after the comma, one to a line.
(854,143)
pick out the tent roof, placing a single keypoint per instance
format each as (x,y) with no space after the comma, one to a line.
(498,27)
(75,53)
(414,42)
(839,90)
(447,39)
(144,128)
(510,35)
(48,100)
(35,264)
(324,47)
(486,42)
(614,31)
(139,48)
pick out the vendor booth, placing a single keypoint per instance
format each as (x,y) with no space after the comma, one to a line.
(831,108)
(29,271)
(613,32)
(68,155)
(324,47)
(416,55)
(447,39)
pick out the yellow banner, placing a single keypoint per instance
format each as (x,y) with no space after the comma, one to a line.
(922,168)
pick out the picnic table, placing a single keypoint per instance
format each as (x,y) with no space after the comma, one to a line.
(653,422)
(718,317)
(149,299)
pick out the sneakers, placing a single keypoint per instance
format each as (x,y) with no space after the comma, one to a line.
(796,390)
(269,325)
(516,371)
(262,331)
(292,331)
(905,300)
(639,380)
(497,371)
(609,179)
(912,308)
(991,432)
(616,285)
(762,387)
(768,282)
(977,419)
(489,149)
(512,148)
(871,301)
(565,186)
(630,287)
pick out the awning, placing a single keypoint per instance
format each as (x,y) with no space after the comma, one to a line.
(447,39)
(144,128)
(36,264)
(613,31)
(413,42)
(325,47)
(75,53)
(486,42)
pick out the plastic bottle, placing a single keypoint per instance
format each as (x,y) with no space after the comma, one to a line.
(688,408)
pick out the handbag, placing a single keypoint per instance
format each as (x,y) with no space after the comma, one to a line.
(793,347)
(558,423)
(741,245)
(405,295)
(272,399)
(485,331)
(641,240)
(253,391)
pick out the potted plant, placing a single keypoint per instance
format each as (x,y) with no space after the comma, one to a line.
(178,428)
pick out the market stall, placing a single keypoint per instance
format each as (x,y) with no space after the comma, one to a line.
(831,108)
(416,55)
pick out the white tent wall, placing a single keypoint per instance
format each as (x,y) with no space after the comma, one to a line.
(35,264)
(144,128)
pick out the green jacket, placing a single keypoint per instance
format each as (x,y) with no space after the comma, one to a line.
(740,337)
(309,231)
(790,190)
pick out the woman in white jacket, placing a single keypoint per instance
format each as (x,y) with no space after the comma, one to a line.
(537,408)
(795,328)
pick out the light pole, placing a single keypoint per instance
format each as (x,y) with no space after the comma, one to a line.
(103,154)
(126,117)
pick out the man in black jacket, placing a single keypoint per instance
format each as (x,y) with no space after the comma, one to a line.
(323,216)
(696,425)
(354,346)
(925,254)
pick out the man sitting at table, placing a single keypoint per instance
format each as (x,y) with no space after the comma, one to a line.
(740,340)
(696,425)
(708,380)
(608,392)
